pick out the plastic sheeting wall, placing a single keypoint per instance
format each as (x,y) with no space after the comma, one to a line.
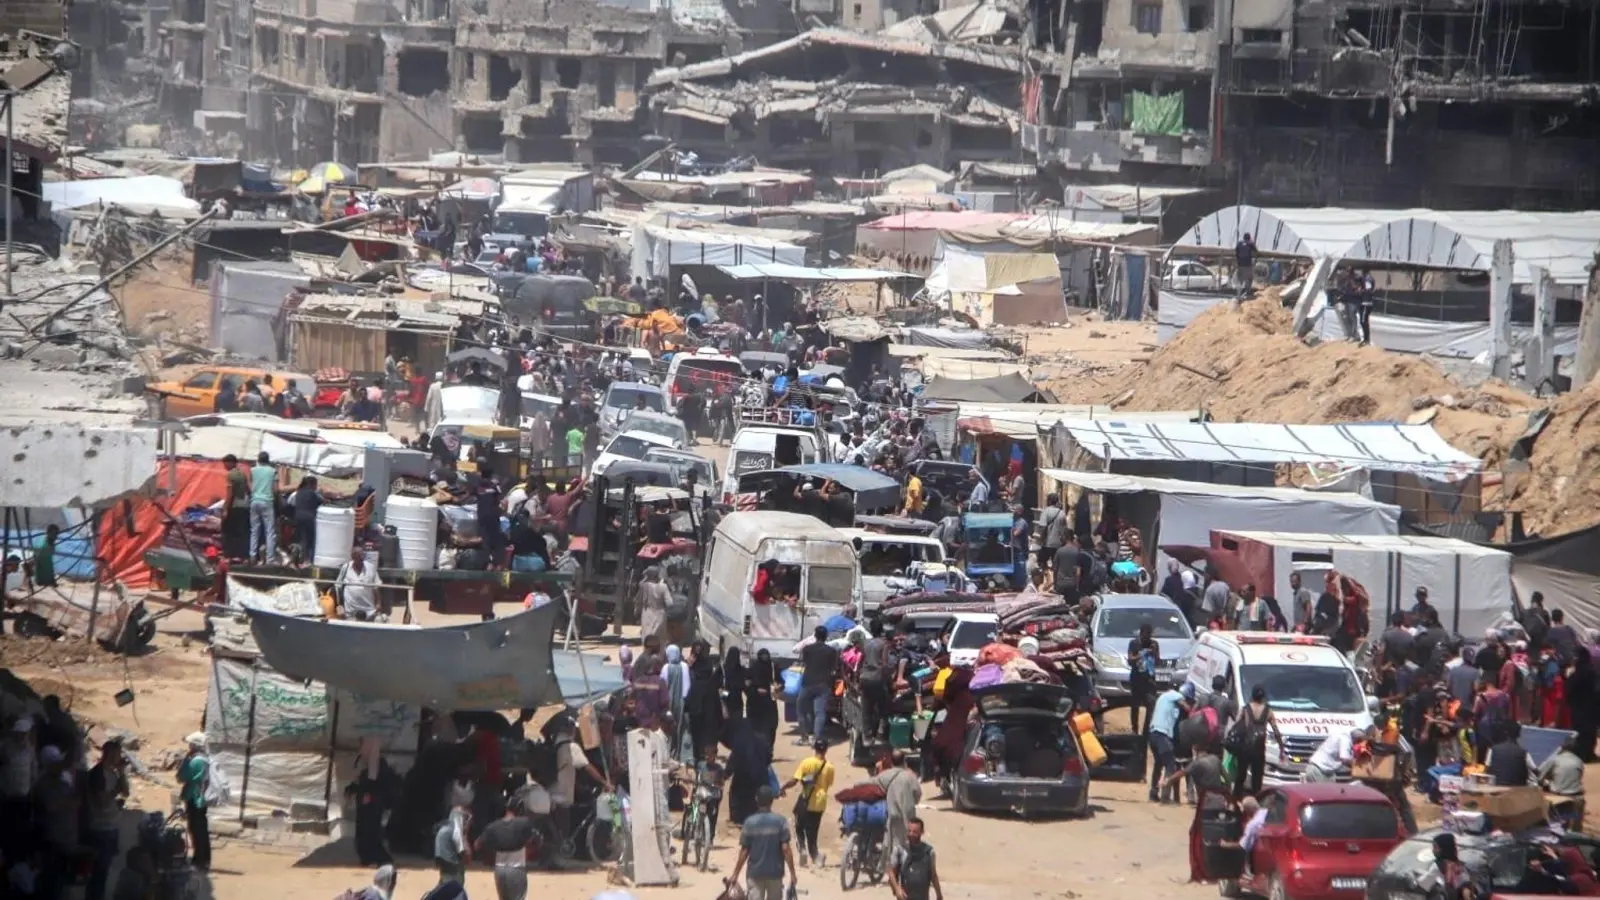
(276,738)
(247,303)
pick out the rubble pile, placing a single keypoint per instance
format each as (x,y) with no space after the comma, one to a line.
(1244,364)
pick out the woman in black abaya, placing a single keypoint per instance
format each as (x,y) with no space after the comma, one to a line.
(762,708)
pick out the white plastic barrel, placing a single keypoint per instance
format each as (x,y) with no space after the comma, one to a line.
(416,523)
(336,534)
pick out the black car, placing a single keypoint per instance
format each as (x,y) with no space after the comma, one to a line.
(553,303)
(1408,872)
(1022,755)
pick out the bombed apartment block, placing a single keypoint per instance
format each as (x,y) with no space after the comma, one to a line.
(1136,100)
(558,81)
(1479,104)
(851,105)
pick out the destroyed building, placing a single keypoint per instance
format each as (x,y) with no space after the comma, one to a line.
(367,80)
(1471,105)
(848,104)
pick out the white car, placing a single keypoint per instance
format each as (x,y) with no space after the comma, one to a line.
(627,445)
(967,634)
(1191,276)
(668,426)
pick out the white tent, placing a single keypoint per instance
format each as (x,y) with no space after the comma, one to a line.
(657,248)
(1469,584)
(1562,242)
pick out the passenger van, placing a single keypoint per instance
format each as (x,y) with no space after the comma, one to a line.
(1312,689)
(756,448)
(817,564)
(886,560)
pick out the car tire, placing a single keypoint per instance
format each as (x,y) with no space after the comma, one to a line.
(1276,890)
(955,797)
(1228,887)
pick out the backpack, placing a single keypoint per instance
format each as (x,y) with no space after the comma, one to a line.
(217,790)
(1549,671)
(1247,734)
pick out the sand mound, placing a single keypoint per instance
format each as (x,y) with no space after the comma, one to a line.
(1244,365)
(1557,487)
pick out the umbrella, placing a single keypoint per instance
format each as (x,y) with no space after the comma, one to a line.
(325,175)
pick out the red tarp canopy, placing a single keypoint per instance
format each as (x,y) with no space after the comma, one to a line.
(200,482)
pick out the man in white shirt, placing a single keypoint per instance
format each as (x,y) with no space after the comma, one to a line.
(1337,752)
(1215,600)
(978,491)
(357,586)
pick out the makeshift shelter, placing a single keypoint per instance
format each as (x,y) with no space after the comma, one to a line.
(289,747)
(917,234)
(998,288)
(656,249)
(1171,512)
(139,524)
(1469,585)
(137,191)
(1565,568)
(1411,465)
(1005,389)
(504,663)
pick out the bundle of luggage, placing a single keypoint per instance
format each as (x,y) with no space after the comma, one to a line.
(925,603)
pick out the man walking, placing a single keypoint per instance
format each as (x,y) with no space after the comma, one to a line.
(1053,523)
(819,663)
(108,784)
(505,841)
(814,776)
(913,870)
(194,775)
(902,792)
(764,844)
(1163,737)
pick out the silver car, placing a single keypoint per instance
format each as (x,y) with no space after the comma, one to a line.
(1116,622)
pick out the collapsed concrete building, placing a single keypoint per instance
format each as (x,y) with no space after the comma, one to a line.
(367,80)
(848,104)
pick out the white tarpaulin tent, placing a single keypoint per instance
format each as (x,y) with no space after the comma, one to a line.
(804,274)
(1000,288)
(1186,512)
(656,248)
(1469,584)
(1562,242)
(156,191)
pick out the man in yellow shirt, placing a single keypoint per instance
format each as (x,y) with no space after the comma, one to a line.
(814,775)
(914,498)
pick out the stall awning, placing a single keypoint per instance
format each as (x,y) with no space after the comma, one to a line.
(806,274)
(1109,483)
(1380,446)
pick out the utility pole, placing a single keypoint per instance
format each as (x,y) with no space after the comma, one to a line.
(1588,361)
(11,165)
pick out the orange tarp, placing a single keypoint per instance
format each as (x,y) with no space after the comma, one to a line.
(200,483)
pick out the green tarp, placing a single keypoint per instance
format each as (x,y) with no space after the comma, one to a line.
(1154,114)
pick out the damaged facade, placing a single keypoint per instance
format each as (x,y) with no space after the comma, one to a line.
(1480,105)
(367,80)
(848,104)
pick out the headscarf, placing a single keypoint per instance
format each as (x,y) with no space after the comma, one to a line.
(625,657)
(674,653)
(196,741)
(383,882)
(652,574)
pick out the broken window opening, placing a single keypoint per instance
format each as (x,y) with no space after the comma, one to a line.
(606,85)
(502,77)
(1147,18)
(423,71)
(533,76)
(1260,36)
(299,46)
(194,11)
(1199,17)
(482,134)
(267,40)
(569,72)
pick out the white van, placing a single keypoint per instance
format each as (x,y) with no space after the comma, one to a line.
(703,367)
(1312,689)
(755,448)
(819,567)
(887,560)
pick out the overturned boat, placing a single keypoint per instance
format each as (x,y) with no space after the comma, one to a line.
(495,665)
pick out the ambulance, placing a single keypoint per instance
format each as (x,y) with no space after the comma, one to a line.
(1312,689)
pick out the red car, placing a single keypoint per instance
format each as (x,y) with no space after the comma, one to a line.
(1319,842)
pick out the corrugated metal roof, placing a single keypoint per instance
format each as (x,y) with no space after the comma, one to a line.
(1108,483)
(1380,446)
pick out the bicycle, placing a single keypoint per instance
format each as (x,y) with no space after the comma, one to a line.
(605,837)
(865,848)
(700,824)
